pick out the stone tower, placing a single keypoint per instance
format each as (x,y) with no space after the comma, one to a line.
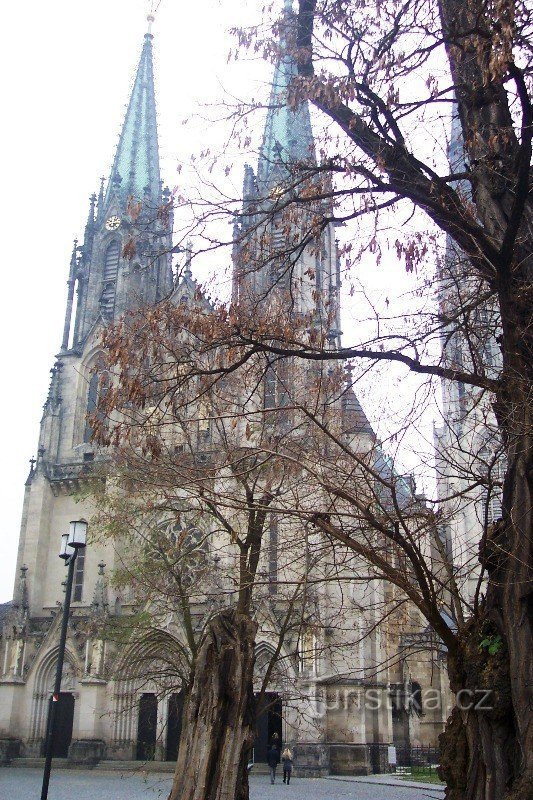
(277,258)
(126,219)
(467,442)
(122,263)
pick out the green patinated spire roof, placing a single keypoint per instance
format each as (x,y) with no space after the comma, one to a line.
(136,165)
(288,136)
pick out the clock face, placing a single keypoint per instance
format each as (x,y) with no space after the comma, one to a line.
(112,223)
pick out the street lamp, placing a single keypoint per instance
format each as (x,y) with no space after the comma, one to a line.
(71,542)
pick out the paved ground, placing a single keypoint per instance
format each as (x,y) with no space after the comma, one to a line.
(25,784)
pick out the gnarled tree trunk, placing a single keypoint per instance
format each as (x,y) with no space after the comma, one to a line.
(218,724)
(487,752)
(478,748)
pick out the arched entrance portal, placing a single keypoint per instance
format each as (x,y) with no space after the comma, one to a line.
(64,724)
(44,683)
(147,727)
(174,723)
(268,722)
(269,706)
(147,717)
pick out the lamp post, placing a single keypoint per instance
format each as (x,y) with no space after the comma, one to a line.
(70,544)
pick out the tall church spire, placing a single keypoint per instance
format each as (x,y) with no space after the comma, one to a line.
(314,272)
(135,169)
(124,260)
(288,136)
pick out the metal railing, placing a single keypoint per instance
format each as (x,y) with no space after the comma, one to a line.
(419,760)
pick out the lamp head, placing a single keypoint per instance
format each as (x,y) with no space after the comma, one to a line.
(77,536)
(65,551)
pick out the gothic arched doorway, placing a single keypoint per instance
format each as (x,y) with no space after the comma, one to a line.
(44,684)
(149,671)
(174,723)
(147,727)
(268,722)
(269,706)
(64,724)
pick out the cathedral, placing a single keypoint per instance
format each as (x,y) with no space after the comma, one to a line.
(107,711)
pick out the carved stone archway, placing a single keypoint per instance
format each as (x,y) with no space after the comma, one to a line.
(44,685)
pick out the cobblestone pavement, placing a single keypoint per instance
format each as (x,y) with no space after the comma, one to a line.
(25,784)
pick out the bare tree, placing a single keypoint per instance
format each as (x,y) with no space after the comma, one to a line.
(189,499)
(262,442)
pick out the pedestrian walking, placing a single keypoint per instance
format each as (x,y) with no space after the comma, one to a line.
(287,759)
(273,760)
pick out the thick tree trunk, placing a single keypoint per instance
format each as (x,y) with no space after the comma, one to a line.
(509,600)
(218,725)
(478,747)
(487,752)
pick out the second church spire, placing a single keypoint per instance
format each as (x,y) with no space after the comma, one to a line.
(288,136)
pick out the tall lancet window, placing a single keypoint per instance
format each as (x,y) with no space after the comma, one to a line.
(79,570)
(276,388)
(92,400)
(98,386)
(107,300)
(270,386)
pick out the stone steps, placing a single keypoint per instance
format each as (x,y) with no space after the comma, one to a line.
(260,768)
(117,766)
(157,766)
(136,766)
(102,766)
(38,763)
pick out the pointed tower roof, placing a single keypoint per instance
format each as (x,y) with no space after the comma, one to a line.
(353,417)
(136,166)
(288,136)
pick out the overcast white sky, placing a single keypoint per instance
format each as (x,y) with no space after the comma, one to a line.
(68,69)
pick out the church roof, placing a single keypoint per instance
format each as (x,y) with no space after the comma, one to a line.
(288,136)
(136,166)
(353,417)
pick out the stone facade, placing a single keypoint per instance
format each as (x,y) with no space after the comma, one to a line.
(468,449)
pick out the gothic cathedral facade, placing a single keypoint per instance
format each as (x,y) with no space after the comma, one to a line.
(105,711)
